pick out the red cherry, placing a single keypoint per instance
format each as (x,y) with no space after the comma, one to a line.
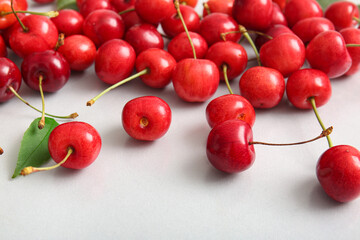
(285,53)
(131,19)
(79,51)
(338,171)
(9,76)
(69,22)
(220,6)
(229,107)
(264,87)
(306,29)
(146,118)
(281,3)
(103,25)
(9,19)
(88,6)
(253,14)
(121,5)
(327,52)
(277,16)
(114,61)
(3,48)
(296,10)
(273,32)
(144,36)
(81,137)
(342,14)
(307,83)
(191,3)
(195,80)
(154,11)
(352,36)
(22,4)
(51,65)
(228,147)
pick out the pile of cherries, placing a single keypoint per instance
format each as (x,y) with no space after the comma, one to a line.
(118,36)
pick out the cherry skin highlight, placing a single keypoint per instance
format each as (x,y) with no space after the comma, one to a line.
(10,75)
(154,11)
(69,22)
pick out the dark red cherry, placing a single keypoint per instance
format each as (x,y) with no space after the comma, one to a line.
(10,75)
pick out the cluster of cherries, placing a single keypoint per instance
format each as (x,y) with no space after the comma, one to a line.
(120,35)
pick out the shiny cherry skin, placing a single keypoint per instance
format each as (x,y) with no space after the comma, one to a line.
(306,29)
(10,75)
(83,138)
(3,48)
(103,25)
(179,47)
(79,51)
(88,6)
(229,107)
(114,61)
(154,11)
(160,64)
(191,3)
(121,5)
(296,10)
(285,53)
(273,31)
(220,6)
(229,53)
(51,65)
(278,16)
(7,32)
(306,83)
(228,147)
(327,52)
(253,14)
(144,36)
(338,171)
(195,80)
(42,35)
(264,87)
(342,14)
(172,25)
(69,22)
(146,118)
(214,24)
(352,36)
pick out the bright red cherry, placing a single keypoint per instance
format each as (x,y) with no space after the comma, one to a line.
(338,171)
(191,3)
(342,14)
(296,10)
(220,6)
(10,75)
(306,29)
(114,61)
(277,16)
(131,19)
(9,19)
(146,118)
(228,147)
(327,52)
(264,87)
(154,11)
(88,6)
(69,22)
(229,107)
(272,31)
(121,5)
(352,36)
(307,83)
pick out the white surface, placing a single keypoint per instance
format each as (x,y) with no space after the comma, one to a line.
(167,189)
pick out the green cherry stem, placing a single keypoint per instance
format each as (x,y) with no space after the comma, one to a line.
(93,100)
(126,11)
(28,170)
(50,14)
(17,17)
(352,45)
(41,124)
(177,7)
(1,151)
(225,69)
(313,104)
(356,19)
(245,33)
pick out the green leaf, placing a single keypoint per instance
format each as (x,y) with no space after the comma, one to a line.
(34,145)
(325,3)
(66,4)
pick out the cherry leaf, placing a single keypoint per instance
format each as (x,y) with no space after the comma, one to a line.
(66,4)
(325,3)
(34,145)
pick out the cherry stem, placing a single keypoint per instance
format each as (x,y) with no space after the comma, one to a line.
(1,151)
(126,11)
(41,124)
(245,33)
(60,41)
(73,115)
(28,170)
(49,14)
(143,72)
(177,7)
(356,19)
(223,35)
(324,133)
(313,104)
(207,8)
(225,68)
(352,45)
(25,29)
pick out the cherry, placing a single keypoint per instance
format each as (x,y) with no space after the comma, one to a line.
(352,36)
(305,84)
(281,3)
(9,19)
(342,14)
(154,11)
(10,75)
(146,118)
(296,10)
(277,15)
(22,4)
(327,52)
(144,36)
(220,6)
(88,6)
(172,25)
(306,29)
(273,32)
(121,5)
(191,3)
(264,87)
(131,18)
(227,107)
(79,51)
(3,48)
(103,25)
(110,71)
(228,147)
(285,53)
(338,171)
(253,14)
(69,22)
(214,24)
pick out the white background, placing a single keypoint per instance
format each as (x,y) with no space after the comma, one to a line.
(167,189)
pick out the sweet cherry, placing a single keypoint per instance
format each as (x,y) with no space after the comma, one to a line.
(273,32)
(296,10)
(10,76)
(352,36)
(88,6)
(220,6)
(342,14)
(3,48)
(68,22)
(278,16)
(154,11)
(306,29)
(121,5)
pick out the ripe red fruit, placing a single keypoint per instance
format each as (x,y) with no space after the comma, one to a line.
(121,5)
(154,11)
(306,29)
(146,118)
(272,31)
(338,171)
(278,16)
(342,14)
(10,75)
(88,6)
(228,147)
(220,6)
(3,48)
(8,20)
(69,22)
(352,36)
(296,10)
